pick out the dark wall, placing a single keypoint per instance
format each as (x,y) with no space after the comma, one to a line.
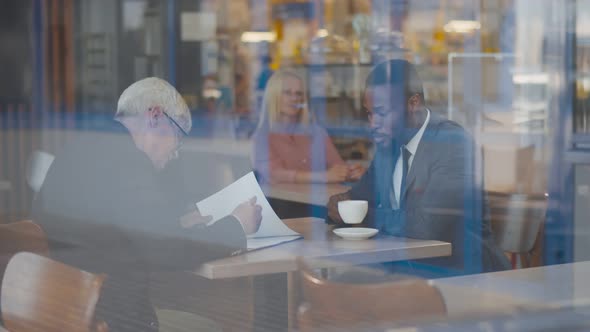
(15,50)
(188,54)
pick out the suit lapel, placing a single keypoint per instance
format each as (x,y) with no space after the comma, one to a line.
(420,160)
(384,178)
(417,165)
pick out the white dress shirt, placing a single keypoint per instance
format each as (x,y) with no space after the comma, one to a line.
(412,146)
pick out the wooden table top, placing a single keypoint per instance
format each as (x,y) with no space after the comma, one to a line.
(322,249)
(513,293)
(555,285)
(313,194)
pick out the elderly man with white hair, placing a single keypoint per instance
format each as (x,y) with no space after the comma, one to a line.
(104,209)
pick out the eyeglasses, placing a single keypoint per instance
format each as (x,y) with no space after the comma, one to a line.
(291,93)
(180,130)
(179,133)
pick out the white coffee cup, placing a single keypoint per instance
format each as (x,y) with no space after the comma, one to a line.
(353,212)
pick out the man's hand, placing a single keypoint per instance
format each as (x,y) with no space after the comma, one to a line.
(338,173)
(333,206)
(249,214)
(194,218)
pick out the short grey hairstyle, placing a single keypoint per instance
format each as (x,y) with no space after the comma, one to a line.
(151,92)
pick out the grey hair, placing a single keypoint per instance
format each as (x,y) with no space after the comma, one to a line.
(154,92)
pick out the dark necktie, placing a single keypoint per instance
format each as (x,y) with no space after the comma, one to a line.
(406,157)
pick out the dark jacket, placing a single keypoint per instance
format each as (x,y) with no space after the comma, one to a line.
(104,211)
(442,200)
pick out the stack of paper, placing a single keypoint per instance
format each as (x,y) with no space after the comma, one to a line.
(272,230)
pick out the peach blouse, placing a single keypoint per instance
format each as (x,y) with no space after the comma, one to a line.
(279,155)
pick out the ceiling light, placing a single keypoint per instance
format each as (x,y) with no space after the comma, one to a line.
(258,36)
(211,93)
(322,33)
(530,78)
(462,26)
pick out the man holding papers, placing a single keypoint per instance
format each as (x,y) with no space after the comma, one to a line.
(105,211)
(272,230)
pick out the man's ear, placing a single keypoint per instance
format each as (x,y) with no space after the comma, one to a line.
(154,115)
(414,103)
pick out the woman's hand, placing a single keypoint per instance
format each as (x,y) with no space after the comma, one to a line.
(338,173)
(355,172)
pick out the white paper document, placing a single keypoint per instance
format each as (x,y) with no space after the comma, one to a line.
(272,230)
(263,242)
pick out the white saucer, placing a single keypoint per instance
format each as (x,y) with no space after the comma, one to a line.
(355,233)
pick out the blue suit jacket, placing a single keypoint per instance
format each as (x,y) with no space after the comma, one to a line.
(441,200)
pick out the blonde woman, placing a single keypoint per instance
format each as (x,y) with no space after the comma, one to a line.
(288,145)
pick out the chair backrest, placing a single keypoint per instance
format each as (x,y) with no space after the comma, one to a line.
(516,220)
(37,167)
(39,294)
(508,168)
(21,236)
(334,304)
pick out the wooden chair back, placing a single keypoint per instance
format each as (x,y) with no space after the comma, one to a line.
(334,304)
(517,222)
(40,294)
(21,236)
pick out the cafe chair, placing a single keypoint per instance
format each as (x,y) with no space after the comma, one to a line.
(37,168)
(328,304)
(18,237)
(40,294)
(21,236)
(517,221)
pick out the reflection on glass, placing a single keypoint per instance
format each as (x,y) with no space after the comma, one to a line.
(494,68)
